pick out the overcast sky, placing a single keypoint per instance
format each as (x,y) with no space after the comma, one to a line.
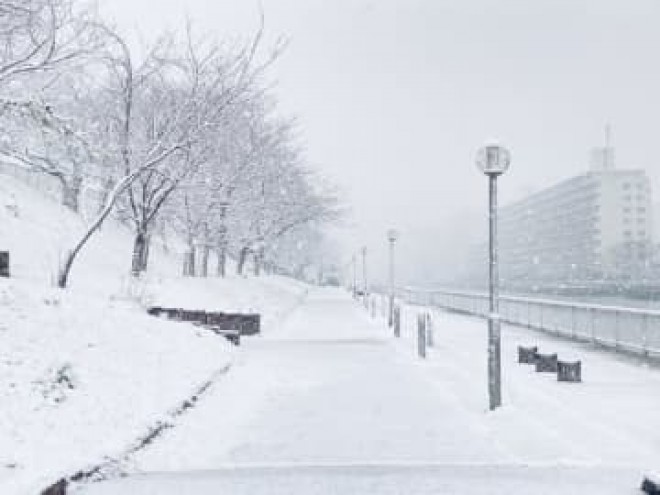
(394,97)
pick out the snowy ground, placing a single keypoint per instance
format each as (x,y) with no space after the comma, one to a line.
(82,377)
(329,403)
(85,372)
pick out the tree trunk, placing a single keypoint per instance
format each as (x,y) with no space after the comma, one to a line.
(139,247)
(189,261)
(144,261)
(204,262)
(258,261)
(65,269)
(71,193)
(222,262)
(242,258)
(108,187)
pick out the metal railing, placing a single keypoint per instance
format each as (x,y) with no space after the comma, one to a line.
(619,328)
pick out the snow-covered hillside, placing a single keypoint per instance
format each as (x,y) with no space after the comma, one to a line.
(38,232)
(84,372)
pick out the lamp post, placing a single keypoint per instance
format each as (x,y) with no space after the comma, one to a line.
(392,236)
(365,289)
(354,263)
(493,160)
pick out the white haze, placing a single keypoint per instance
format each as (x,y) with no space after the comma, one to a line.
(395,96)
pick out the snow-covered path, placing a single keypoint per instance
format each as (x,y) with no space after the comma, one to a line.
(331,392)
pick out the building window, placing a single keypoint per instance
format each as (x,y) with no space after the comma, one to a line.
(641,209)
(626,185)
(627,197)
(626,210)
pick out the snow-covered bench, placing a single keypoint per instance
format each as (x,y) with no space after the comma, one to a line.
(230,325)
(651,485)
(567,371)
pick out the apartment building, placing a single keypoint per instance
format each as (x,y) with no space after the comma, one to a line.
(593,227)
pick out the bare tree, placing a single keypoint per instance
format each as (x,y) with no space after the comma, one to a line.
(41,35)
(194,91)
(129,163)
(59,137)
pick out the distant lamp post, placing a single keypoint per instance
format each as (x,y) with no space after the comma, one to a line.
(365,288)
(354,263)
(493,160)
(392,236)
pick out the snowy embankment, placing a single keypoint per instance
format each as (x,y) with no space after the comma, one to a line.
(85,372)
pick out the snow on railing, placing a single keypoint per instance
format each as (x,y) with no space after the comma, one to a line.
(634,330)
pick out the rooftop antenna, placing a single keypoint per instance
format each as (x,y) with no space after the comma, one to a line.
(602,158)
(608,135)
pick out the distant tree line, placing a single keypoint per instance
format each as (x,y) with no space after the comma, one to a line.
(182,134)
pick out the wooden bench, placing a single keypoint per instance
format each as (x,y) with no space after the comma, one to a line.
(247,324)
(233,336)
(230,325)
(527,355)
(650,486)
(569,371)
(546,363)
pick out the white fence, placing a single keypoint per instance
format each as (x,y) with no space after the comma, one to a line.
(627,329)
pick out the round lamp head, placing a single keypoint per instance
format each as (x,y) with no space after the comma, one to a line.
(392,235)
(493,159)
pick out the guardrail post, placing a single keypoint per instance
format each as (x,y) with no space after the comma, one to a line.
(430,341)
(421,335)
(397,321)
(645,335)
(573,322)
(616,330)
(593,325)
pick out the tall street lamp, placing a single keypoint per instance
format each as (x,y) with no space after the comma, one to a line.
(493,160)
(392,236)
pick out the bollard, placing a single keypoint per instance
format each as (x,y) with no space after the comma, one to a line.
(373,307)
(4,264)
(430,342)
(421,335)
(397,321)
